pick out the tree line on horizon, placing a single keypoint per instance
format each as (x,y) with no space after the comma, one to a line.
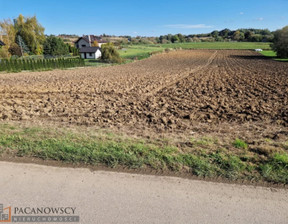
(240,35)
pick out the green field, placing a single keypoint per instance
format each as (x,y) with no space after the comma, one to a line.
(139,51)
(144,51)
(272,54)
(219,45)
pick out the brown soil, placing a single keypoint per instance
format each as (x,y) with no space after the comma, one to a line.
(176,92)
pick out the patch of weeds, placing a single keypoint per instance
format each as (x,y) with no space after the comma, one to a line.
(204,141)
(276,168)
(231,166)
(199,165)
(238,143)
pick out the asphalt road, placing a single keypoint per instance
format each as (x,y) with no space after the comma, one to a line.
(108,197)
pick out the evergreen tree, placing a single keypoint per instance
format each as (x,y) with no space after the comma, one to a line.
(54,46)
(24,48)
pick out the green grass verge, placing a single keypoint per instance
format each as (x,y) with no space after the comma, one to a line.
(272,54)
(112,150)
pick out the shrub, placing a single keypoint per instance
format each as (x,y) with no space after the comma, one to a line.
(15,50)
(110,54)
(238,143)
(4,53)
(17,65)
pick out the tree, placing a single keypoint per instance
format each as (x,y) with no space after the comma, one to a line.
(215,34)
(181,37)
(280,42)
(22,45)
(110,54)
(4,53)
(54,46)
(238,36)
(248,35)
(14,49)
(175,39)
(225,33)
(31,32)
(73,50)
(8,32)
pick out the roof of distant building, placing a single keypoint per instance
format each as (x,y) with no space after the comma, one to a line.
(89,49)
(92,39)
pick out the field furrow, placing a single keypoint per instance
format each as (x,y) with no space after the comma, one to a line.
(169,91)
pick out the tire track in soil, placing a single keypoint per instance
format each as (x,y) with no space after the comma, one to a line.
(184,76)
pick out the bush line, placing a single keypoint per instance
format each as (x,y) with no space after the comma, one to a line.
(13,65)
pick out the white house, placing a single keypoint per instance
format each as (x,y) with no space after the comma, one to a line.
(87,41)
(90,52)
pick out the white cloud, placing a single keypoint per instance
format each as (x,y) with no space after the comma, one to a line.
(260,19)
(188,26)
(241,13)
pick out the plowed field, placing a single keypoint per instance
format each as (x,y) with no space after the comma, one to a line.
(167,92)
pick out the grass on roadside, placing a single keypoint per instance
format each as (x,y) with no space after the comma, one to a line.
(113,150)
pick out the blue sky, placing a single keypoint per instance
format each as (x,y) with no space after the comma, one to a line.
(148,17)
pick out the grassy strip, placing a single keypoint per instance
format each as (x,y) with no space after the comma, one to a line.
(112,150)
(272,54)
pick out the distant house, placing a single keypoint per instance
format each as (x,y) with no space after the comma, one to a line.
(258,50)
(1,43)
(90,52)
(87,41)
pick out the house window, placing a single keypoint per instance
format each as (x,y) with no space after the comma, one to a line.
(90,54)
(83,45)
